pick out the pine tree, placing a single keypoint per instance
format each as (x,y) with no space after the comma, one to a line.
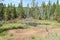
(53,12)
(27,11)
(14,12)
(5,13)
(48,10)
(1,11)
(58,11)
(10,12)
(43,10)
(21,12)
(33,8)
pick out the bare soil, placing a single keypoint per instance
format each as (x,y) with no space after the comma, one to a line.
(21,34)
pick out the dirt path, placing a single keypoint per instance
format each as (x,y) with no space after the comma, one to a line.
(21,34)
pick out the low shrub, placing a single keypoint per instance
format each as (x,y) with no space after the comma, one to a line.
(1,24)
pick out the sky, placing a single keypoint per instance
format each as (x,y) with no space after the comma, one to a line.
(25,2)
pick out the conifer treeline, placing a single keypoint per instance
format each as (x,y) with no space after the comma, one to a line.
(44,12)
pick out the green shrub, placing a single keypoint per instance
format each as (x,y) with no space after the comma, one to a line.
(33,37)
(2,33)
(1,24)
